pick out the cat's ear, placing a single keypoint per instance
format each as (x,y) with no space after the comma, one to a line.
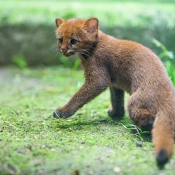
(58,21)
(91,25)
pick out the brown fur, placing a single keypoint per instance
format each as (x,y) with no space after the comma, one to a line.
(122,66)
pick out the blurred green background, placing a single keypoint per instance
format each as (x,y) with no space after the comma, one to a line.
(34,143)
(27,28)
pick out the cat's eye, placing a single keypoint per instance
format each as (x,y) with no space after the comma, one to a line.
(60,40)
(73,41)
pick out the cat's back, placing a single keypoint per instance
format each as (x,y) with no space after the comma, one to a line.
(134,54)
(125,49)
(132,62)
(132,49)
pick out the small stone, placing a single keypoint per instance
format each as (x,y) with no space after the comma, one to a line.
(139,144)
(83,141)
(91,172)
(117,169)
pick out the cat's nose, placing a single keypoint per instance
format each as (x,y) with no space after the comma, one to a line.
(63,49)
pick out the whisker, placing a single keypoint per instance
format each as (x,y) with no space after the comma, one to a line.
(51,33)
(83,53)
(54,48)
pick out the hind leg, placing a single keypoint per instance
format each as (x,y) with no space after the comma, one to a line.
(142,118)
(139,112)
(117,100)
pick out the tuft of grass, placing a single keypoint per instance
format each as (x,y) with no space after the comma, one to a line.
(20,61)
(168,58)
(32,142)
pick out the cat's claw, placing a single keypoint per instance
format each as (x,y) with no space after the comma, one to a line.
(56,114)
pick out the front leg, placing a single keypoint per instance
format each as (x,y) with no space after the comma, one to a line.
(86,93)
(117,100)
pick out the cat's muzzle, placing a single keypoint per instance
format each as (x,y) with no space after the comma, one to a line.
(67,53)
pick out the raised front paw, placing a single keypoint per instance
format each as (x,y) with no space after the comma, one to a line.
(61,113)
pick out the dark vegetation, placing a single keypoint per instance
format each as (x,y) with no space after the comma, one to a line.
(28,28)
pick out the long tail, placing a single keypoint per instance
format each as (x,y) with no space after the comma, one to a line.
(163,137)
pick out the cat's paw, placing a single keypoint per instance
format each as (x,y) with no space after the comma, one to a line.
(111,113)
(57,114)
(115,114)
(60,113)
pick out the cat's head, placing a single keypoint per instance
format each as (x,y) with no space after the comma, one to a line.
(77,36)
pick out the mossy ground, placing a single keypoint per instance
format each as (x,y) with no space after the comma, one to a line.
(88,143)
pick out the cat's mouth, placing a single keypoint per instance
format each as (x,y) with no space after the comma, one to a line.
(68,53)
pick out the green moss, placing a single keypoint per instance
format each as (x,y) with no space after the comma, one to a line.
(89,142)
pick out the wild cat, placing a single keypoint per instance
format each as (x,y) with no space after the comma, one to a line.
(122,66)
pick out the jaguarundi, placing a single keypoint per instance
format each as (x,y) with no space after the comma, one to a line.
(122,66)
